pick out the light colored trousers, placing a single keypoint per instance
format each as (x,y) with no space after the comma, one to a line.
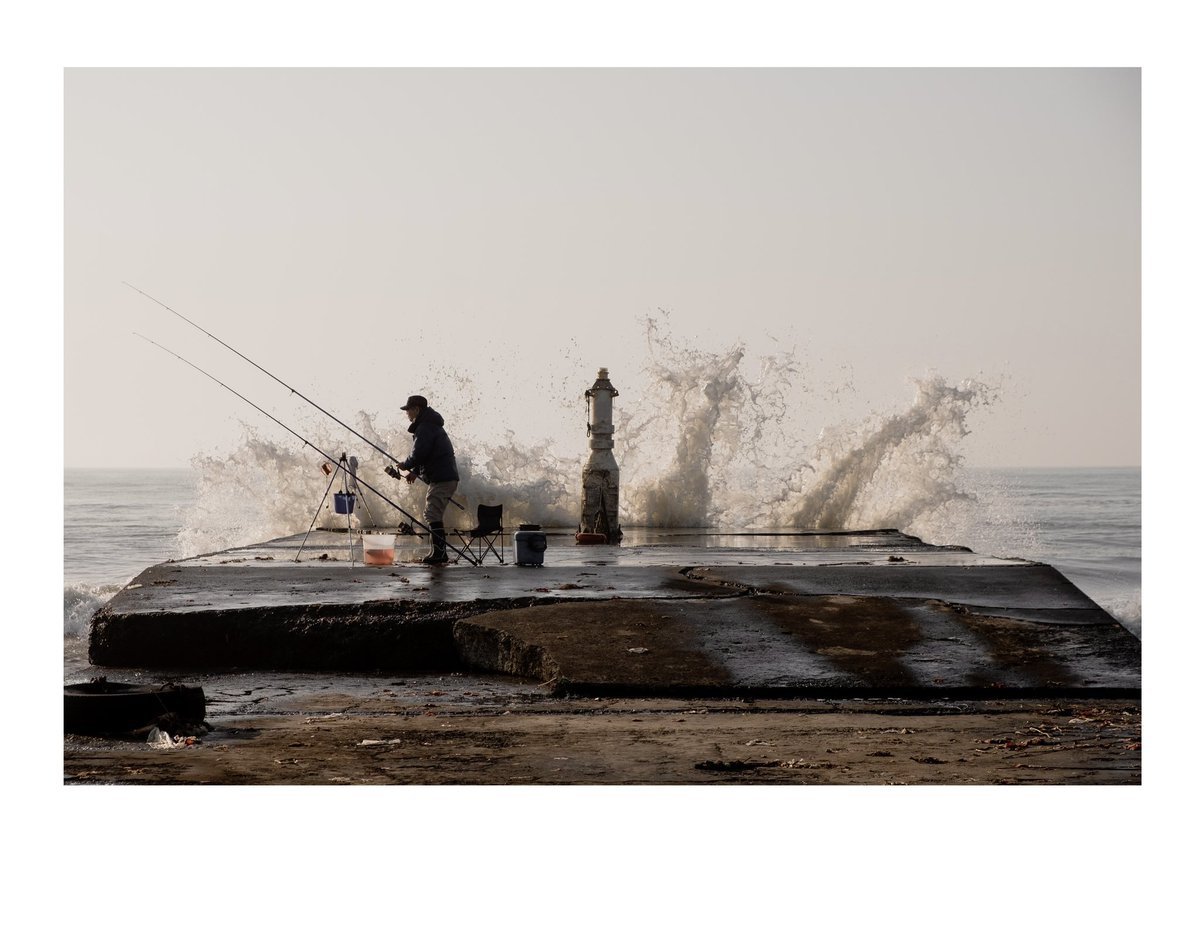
(437,498)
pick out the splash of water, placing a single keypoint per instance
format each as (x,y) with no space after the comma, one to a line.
(711,441)
(268,489)
(889,472)
(717,418)
(80,602)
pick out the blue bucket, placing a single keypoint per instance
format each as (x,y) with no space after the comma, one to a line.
(343,503)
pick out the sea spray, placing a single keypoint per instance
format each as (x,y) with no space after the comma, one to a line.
(708,439)
(80,602)
(696,446)
(268,489)
(528,478)
(703,397)
(265,488)
(532,482)
(982,514)
(888,472)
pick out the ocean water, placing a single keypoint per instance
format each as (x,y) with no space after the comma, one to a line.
(116,523)
(1085,522)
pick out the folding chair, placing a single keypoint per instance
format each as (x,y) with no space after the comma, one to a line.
(482,539)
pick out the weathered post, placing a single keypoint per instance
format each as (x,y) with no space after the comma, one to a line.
(600,513)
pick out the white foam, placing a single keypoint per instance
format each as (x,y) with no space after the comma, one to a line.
(711,441)
(80,603)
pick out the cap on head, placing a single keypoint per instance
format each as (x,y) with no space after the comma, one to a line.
(415,402)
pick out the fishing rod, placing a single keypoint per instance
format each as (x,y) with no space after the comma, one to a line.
(286,386)
(413,519)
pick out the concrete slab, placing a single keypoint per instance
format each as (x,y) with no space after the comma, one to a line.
(173,588)
(817,645)
(1035,591)
(854,612)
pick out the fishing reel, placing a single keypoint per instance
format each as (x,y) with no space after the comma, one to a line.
(395,472)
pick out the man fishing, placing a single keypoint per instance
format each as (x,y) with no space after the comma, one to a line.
(432,459)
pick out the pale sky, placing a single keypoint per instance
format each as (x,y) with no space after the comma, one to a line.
(365,234)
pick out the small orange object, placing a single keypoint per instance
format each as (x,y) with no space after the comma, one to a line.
(591,538)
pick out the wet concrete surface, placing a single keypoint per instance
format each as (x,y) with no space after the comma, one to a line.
(869,613)
(829,645)
(1036,590)
(682,658)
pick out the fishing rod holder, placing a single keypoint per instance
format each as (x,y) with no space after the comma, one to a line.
(343,500)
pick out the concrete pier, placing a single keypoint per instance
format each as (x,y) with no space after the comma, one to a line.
(834,614)
(819,658)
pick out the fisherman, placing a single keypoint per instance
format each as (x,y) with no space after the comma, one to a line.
(432,460)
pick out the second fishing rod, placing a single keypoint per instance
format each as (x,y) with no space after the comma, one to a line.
(465,555)
(287,386)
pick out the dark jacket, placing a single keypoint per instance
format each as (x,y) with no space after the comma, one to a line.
(432,454)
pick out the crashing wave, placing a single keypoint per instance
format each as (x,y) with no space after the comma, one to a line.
(712,442)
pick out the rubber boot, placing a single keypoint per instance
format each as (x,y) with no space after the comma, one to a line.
(437,553)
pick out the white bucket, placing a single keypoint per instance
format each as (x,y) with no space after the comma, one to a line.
(378,550)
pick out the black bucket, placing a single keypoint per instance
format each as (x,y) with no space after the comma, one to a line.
(343,503)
